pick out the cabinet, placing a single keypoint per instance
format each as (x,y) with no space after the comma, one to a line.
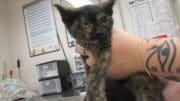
(53,77)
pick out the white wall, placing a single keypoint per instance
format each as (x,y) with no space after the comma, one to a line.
(126,16)
(5,49)
(177,8)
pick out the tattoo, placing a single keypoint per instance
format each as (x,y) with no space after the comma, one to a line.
(173,56)
(173,78)
(166,54)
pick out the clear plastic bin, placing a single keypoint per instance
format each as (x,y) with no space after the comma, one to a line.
(78,80)
(48,70)
(50,86)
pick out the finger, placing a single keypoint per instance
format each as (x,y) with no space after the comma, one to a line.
(79,49)
(89,60)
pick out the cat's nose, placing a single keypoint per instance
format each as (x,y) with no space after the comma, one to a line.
(100,34)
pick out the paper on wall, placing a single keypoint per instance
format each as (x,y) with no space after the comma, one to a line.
(151,17)
(41,29)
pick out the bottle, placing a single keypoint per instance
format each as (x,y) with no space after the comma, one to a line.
(4,74)
(10,73)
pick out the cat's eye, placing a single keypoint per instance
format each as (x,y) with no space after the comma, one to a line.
(85,22)
(103,20)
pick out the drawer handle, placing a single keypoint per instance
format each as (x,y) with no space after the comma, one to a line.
(45,67)
(47,83)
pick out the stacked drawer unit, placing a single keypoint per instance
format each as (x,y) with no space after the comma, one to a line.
(53,77)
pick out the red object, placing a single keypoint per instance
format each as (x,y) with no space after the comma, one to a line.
(10,73)
(163,35)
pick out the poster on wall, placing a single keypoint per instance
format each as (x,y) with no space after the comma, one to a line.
(151,17)
(40,27)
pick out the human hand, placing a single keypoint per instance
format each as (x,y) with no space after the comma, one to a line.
(172,91)
(89,56)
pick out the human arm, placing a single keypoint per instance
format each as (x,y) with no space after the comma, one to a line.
(162,57)
(130,54)
(158,56)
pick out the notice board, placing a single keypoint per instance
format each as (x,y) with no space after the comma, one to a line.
(40,27)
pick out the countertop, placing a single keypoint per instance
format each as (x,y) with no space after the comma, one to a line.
(58,98)
(70,95)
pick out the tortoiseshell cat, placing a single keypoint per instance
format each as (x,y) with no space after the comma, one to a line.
(91,26)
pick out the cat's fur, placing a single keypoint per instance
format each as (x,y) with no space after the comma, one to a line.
(91,26)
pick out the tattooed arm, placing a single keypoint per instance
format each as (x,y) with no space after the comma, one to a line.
(162,57)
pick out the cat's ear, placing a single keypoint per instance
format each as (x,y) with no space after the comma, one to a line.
(67,14)
(107,5)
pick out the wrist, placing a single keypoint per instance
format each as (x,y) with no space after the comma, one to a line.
(142,54)
(139,55)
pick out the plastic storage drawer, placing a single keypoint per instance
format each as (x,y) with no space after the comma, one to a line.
(50,86)
(48,70)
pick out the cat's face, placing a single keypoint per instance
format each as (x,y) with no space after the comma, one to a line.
(90,23)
